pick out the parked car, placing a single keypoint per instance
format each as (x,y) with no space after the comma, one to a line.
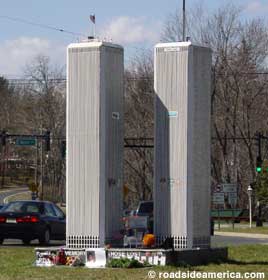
(29,220)
(132,213)
(145,208)
(1,206)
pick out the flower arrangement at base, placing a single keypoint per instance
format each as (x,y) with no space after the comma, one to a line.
(148,240)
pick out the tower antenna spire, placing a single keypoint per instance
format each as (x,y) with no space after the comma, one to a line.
(93,20)
(183,22)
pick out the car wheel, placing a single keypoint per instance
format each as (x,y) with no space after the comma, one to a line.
(26,241)
(45,238)
(1,241)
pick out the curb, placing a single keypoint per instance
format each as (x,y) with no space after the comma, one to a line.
(242,234)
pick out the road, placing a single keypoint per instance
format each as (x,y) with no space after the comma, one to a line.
(6,193)
(34,243)
(238,225)
(236,239)
(218,240)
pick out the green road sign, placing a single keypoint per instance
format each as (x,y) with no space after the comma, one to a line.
(25,142)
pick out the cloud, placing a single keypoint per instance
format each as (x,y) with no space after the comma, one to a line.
(129,30)
(256,6)
(17,53)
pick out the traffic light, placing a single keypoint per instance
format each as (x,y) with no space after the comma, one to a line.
(259,164)
(259,137)
(47,139)
(3,137)
(63,148)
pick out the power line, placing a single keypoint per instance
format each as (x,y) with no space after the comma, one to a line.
(23,81)
(244,73)
(59,80)
(44,26)
(129,78)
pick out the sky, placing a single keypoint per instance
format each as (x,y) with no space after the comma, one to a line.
(133,24)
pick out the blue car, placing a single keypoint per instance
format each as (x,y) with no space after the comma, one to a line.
(29,220)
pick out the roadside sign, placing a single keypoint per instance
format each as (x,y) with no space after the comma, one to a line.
(25,142)
(172,114)
(218,198)
(232,198)
(34,195)
(229,188)
(217,188)
(33,187)
(222,191)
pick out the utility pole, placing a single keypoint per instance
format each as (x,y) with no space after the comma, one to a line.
(41,166)
(259,144)
(183,22)
(41,172)
(3,159)
(36,160)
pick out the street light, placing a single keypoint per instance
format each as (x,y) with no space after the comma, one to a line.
(250,190)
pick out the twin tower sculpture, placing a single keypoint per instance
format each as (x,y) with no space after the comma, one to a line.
(95,117)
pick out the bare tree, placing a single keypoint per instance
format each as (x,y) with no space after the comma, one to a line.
(8,117)
(139,114)
(45,99)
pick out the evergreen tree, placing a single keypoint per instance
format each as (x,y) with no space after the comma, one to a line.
(262,185)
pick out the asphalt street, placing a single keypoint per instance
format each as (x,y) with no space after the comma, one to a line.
(218,240)
(236,239)
(4,194)
(34,243)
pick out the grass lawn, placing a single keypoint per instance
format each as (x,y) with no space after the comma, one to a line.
(261,230)
(17,263)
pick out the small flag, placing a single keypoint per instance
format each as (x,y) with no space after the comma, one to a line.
(92,18)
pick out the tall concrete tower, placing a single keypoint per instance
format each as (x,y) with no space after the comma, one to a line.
(182,144)
(94,143)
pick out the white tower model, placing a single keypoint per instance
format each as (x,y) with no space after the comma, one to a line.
(94,143)
(182,144)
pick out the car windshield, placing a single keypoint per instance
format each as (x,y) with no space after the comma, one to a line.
(22,207)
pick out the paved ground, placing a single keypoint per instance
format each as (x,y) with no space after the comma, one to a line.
(218,240)
(235,238)
(11,191)
(242,234)
(236,225)
(34,243)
